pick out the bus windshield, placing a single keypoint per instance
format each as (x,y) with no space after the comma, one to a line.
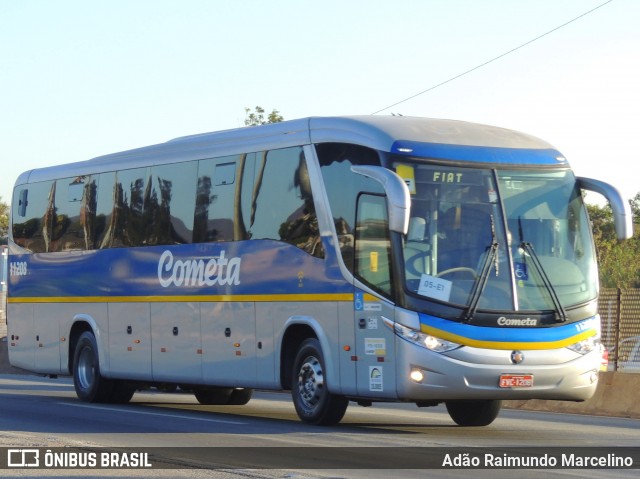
(497,239)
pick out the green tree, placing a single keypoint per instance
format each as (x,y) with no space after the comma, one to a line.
(617,260)
(635,208)
(257,116)
(4,221)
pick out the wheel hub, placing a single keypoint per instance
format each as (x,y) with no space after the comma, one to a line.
(310,382)
(86,368)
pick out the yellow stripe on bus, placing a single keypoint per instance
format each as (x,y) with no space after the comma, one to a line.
(184,299)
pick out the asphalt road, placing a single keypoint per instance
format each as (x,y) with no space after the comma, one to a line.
(44,413)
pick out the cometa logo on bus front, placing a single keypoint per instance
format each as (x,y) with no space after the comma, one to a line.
(502,321)
(198,272)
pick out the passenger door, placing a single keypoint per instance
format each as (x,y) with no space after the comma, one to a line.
(375,351)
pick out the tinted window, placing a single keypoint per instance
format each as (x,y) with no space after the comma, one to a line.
(127,221)
(343,187)
(168,207)
(105,213)
(218,216)
(71,228)
(33,215)
(373,247)
(282,202)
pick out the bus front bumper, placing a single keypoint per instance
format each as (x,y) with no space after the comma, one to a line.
(472,373)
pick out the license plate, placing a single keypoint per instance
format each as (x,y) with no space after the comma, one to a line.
(516,380)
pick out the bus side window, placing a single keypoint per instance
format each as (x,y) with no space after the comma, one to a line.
(343,186)
(34,231)
(168,208)
(72,225)
(106,214)
(218,214)
(373,246)
(282,206)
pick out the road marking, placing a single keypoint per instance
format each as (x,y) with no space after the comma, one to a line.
(138,412)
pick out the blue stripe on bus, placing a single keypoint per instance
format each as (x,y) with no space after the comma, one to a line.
(257,267)
(480,154)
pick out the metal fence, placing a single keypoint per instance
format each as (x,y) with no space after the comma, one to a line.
(620,314)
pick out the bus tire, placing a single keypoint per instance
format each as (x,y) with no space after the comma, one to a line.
(240,397)
(212,397)
(312,399)
(122,392)
(474,413)
(88,382)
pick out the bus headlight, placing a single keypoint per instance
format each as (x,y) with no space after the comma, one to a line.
(585,346)
(427,341)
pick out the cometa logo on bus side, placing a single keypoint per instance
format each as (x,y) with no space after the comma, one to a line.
(198,272)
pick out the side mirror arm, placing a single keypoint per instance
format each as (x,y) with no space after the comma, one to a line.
(622,215)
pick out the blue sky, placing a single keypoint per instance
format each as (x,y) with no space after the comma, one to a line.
(82,78)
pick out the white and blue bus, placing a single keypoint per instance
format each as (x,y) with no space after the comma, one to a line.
(360,259)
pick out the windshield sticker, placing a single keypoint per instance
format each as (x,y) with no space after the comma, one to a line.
(436,288)
(520,271)
(407,173)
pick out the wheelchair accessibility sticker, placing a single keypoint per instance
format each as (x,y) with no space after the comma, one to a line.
(362,302)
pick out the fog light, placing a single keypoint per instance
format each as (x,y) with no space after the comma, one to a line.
(416,375)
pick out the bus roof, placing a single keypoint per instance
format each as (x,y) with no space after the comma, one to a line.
(385,133)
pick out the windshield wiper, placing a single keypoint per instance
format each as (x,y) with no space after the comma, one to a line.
(478,288)
(560,311)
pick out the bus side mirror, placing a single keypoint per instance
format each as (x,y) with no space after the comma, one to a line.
(398,197)
(622,215)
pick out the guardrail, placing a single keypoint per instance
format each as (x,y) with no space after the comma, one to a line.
(616,395)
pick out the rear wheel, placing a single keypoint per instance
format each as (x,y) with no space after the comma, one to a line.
(311,397)
(89,384)
(213,397)
(240,397)
(474,413)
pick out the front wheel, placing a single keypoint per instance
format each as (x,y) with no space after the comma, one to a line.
(122,392)
(311,397)
(474,413)
(89,384)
